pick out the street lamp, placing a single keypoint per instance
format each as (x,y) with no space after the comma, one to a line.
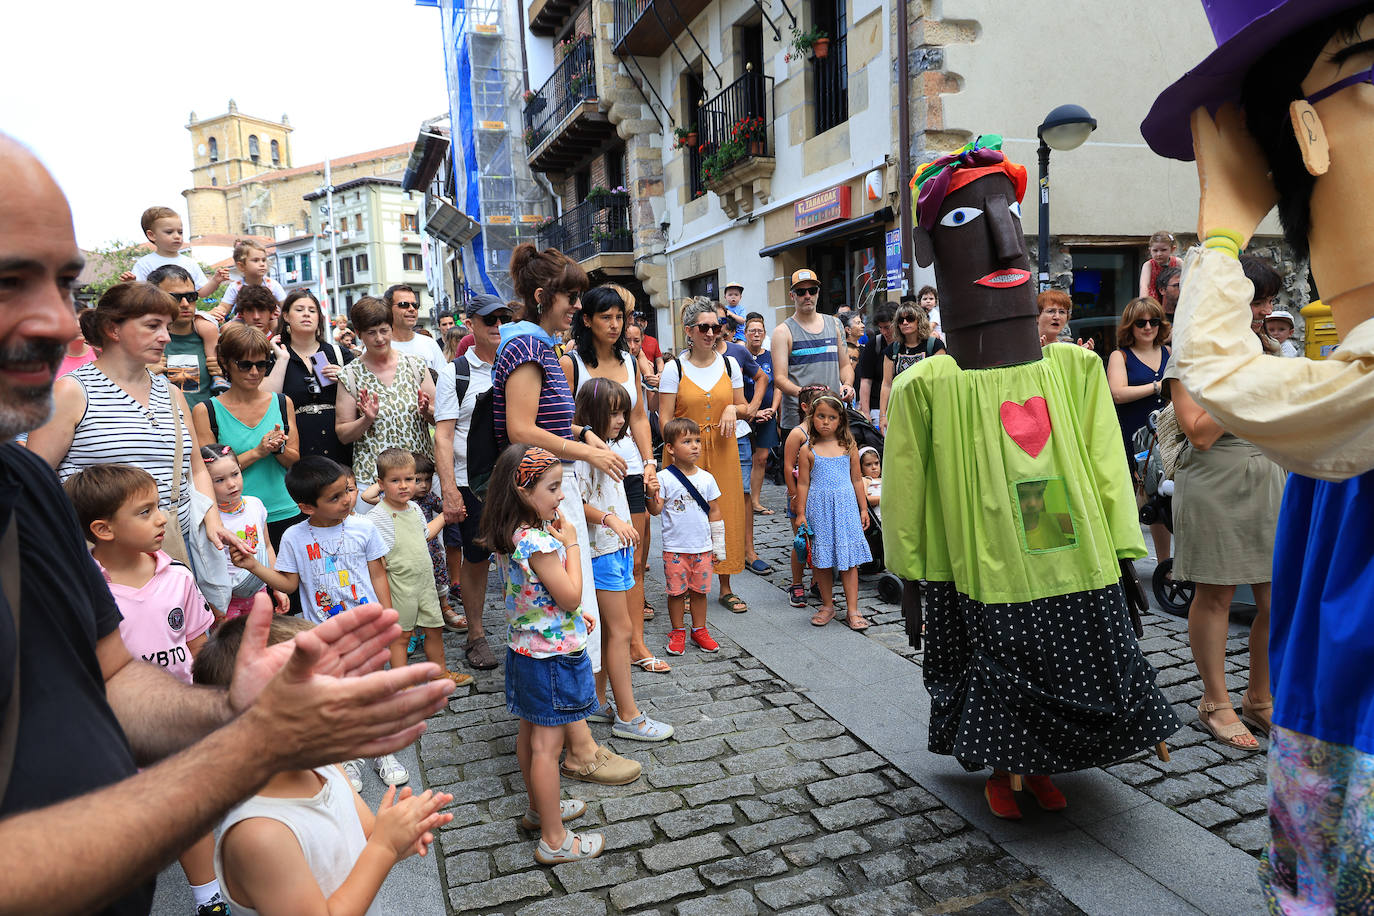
(1065,128)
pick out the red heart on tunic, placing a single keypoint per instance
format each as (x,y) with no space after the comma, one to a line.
(1028,424)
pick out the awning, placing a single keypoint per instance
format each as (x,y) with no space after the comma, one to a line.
(425,158)
(834,231)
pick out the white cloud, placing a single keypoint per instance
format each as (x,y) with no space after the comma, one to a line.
(102,91)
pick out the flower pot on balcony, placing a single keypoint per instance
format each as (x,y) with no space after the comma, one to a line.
(691,139)
(821,48)
(756,147)
(536,104)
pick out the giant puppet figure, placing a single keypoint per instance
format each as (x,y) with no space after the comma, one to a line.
(1014,506)
(1283,112)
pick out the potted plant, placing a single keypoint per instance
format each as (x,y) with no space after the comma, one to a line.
(753,132)
(534,102)
(686,136)
(722,159)
(620,192)
(813,40)
(596,194)
(532,138)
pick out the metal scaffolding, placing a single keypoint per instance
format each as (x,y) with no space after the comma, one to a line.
(492,177)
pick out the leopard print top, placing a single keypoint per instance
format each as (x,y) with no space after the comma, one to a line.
(398,423)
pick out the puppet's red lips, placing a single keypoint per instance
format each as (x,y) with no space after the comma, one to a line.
(1005,279)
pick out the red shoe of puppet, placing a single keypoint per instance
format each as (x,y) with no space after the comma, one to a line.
(1000,798)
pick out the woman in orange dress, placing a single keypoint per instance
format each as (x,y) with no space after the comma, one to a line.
(708,388)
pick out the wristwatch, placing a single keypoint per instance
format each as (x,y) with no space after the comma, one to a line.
(582,434)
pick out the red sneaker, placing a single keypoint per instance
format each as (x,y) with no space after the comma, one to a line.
(702,637)
(677,642)
(1000,798)
(1046,793)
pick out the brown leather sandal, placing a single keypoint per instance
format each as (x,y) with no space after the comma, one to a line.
(1258,716)
(1231,735)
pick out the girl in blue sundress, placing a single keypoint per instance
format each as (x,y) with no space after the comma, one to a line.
(830,494)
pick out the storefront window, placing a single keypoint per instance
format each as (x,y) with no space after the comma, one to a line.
(704,285)
(1104,280)
(852,273)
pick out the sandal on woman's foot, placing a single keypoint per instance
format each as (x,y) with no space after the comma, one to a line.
(823,616)
(1000,798)
(796,596)
(1259,716)
(575,848)
(758,567)
(1046,793)
(1232,735)
(761,509)
(733,603)
(856,622)
(569,809)
(454,620)
(649,611)
(479,655)
(654,664)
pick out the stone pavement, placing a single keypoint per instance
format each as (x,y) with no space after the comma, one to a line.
(1220,788)
(761,803)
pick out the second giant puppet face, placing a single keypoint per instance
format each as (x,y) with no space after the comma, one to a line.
(981,265)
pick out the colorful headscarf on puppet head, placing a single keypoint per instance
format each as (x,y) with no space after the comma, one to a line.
(933,182)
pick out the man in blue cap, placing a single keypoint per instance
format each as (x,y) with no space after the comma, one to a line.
(1283,113)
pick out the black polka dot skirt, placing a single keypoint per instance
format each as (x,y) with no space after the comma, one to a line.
(1047,686)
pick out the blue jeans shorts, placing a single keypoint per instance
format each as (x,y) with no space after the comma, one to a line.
(746,460)
(550,691)
(615,571)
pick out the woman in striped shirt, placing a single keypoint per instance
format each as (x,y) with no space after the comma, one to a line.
(115,410)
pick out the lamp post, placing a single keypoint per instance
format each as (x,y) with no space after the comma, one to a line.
(1065,128)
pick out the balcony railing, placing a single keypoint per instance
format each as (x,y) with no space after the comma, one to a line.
(572,83)
(734,126)
(832,87)
(593,227)
(627,13)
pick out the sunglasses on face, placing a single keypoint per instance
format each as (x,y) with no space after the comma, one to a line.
(807,291)
(490,320)
(707,327)
(1148,322)
(906,320)
(192,296)
(247,365)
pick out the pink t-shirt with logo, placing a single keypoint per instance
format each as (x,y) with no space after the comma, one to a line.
(162,617)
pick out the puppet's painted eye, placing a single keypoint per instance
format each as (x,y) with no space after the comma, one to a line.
(960,216)
(1015,208)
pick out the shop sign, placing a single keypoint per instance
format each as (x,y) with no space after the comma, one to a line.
(826,207)
(893,241)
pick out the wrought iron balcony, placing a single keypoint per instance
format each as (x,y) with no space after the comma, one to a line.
(594,227)
(562,121)
(647,28)
(735,159)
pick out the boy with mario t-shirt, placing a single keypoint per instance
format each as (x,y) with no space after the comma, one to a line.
(333,557)
(164,618)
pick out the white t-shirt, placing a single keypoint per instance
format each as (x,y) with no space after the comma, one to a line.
(599,489)
(625,446)
(231,295)
(152,261)
(1289,349)
(250,527)
(446,406)
(332,564)
(424,347)
(686,529)
(705,379)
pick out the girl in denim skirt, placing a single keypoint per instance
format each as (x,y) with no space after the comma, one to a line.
(548,675)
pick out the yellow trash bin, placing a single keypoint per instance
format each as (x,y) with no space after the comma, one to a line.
(1321,330)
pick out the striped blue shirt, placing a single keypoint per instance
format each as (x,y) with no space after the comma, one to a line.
(555,411)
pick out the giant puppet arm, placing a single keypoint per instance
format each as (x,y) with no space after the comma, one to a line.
(1315,418)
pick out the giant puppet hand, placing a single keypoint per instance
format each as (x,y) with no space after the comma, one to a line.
(1235,188)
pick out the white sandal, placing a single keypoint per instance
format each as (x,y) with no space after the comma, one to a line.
(568,809)
(576,846)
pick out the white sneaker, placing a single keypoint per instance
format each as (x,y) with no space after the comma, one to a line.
(354,771)
(391,771)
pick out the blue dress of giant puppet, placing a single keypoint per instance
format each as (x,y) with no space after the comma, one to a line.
(1012,503)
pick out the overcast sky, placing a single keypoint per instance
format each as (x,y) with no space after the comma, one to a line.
(102,91)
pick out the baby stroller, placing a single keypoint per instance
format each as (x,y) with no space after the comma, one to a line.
(1173,596)
(889,585)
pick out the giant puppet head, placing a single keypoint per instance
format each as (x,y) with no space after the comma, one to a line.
(1300,73)
(968,215)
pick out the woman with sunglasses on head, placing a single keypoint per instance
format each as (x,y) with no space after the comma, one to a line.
(914,342)
(708,388)
(259,425)
(308,374)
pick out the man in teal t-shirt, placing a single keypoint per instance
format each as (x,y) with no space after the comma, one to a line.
(185,352)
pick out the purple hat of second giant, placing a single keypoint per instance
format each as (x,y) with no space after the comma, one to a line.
(1245,31)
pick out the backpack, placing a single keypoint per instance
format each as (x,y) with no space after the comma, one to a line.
(482,447)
